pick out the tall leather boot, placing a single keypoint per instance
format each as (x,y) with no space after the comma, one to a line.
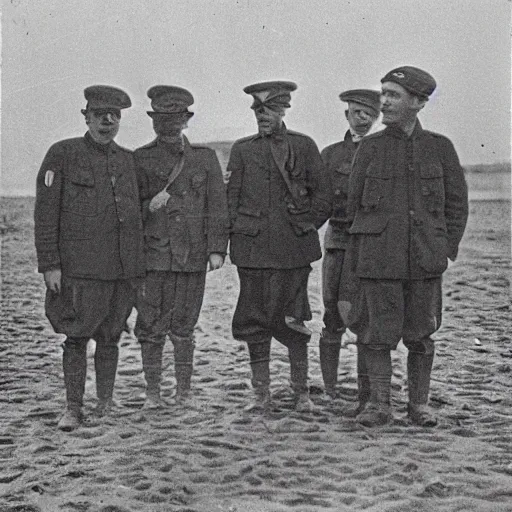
(378,410)
(183,366)
(105,364)
(74,364)
(298,354)
(363,384)
(330,345)
(419,367)
(259,354)
(152,355)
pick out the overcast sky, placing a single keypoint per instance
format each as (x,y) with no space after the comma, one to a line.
(53,49)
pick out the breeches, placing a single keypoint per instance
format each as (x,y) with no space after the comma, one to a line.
(169,303)
(266,297)
(91,308)
(390,310)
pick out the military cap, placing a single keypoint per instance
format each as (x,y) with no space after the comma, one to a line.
(366,97)
(106,97)
(170,99)
(414,80)
(277,94)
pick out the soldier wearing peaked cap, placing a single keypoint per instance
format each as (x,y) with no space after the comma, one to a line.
(363,107)
(408,204)
(186,228)
(88,236)
(278,196)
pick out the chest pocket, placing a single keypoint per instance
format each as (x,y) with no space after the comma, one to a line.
(79,194)
(432,186)
(340,179)
(377,185)
(198,180)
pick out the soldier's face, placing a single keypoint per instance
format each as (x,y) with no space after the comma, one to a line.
(169,125)
(269,121)
(103,124)
(399,107)
(360,118)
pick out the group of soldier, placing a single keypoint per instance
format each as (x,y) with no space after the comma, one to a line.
(116,229)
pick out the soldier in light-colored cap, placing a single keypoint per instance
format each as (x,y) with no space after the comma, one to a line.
(363,107)
(408,207)
(186,227)
(278,196)
(88,235)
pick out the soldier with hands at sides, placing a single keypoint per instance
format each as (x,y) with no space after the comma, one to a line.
(409,204)
(185,229)
(363,108)
(88,236)
(278,196)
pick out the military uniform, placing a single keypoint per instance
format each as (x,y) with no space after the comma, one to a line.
(409,204)
(278,196)
(179,238)
(88,224)
(364,106)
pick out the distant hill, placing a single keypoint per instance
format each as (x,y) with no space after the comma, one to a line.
(489,181)
(488,168)
(222,148)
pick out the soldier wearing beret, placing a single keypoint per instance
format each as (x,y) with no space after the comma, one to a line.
(409,204)
(363,107)
(278,196)
(185,229)
(88,236)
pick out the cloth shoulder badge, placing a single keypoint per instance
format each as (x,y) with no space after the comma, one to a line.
(48,178)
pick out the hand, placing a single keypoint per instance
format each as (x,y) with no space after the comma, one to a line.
(52,280)
(216,260)
(159,201)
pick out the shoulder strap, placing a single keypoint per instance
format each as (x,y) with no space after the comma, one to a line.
(176,171)
(280,152)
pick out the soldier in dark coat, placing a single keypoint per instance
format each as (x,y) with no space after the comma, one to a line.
(278,196)
(363,107)
(409,204)
(88,236)
(185,228)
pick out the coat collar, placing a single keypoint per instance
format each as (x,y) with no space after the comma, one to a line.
(281,134)
(400,134)
(157,142)
(96,145)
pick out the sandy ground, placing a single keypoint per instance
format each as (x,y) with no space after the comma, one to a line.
(218,458)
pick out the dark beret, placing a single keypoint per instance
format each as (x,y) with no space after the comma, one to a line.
(413,79)
(367,97)
(170,99)
(105,96)
(277,85)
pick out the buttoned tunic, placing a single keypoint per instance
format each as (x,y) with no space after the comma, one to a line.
(338,160)
(180,236)
(87,212)
(409,202)
(271,226)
